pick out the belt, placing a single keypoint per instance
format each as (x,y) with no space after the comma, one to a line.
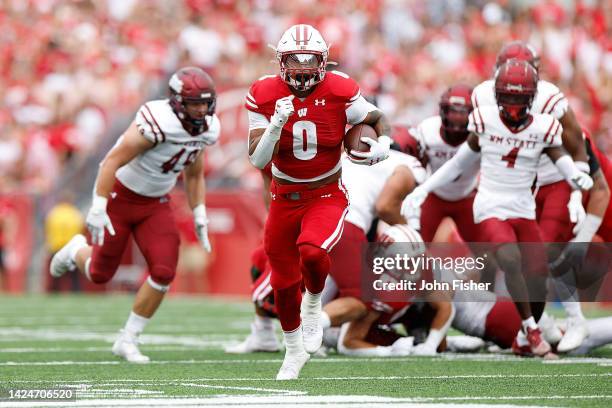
(325,191)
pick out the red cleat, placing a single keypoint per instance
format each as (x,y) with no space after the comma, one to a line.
(539,346)
(523,351)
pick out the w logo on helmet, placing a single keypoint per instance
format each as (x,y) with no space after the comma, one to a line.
(302,34)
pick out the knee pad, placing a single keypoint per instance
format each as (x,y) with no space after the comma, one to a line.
(162,275)
(98,274)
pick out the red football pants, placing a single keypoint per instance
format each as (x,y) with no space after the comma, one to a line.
(302,227)
(435,209)
(552,213)
(151,222)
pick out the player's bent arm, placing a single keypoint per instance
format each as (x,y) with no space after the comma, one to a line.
(575,178)
(380,123)
(130,145)
(572,140)
(467,154)
(195,187)
(599,199)
(444,315)
(353,343)
(263,144)
(396,188)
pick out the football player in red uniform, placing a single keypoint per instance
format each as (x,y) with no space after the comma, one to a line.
(130,197)
(297,121)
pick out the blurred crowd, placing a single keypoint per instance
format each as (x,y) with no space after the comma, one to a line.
(69,68)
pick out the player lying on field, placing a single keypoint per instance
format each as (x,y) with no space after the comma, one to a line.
(375,192)
(130,197)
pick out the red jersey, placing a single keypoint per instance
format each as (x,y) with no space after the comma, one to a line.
(311,141)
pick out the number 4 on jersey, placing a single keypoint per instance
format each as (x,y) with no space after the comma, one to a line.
(170,164)
(511,157)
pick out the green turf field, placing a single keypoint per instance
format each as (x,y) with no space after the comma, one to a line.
(64,341)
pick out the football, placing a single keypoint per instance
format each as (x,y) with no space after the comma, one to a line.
(352,139)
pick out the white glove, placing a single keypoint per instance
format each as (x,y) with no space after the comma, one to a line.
(97,219)
(424,349)
(402,346)
(379,151)
(201,226)
(582,181)
(283,109)
(576,210)
(413,201)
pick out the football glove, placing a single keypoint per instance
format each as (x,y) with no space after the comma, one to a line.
(97,220)
(379,151)
(201,226)
(283,109)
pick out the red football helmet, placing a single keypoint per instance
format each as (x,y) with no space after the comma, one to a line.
(518,50)
(192,86)
(516,83)
(455,107)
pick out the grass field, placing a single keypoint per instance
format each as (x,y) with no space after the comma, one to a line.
(64,341)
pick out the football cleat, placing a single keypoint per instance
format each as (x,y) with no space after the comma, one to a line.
(574,335)
(126,347)
(538,345)
(523,351)
(257,341)
(61,261)
(464,344)
(550,331)
(292,365)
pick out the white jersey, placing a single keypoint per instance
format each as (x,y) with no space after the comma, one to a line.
(438,152)
(154,172)
(548,100)
(471,311)
(364,184)
(509,162)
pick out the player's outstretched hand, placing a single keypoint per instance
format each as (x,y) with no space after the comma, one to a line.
(201,226)
(97,220)
(379,151)
(576,210)
(413,201)
(582,181)
(283,109)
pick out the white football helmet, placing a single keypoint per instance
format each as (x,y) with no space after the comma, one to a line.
(401,240)
(302,55)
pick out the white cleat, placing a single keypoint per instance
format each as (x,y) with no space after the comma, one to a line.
(574,335)
(61,262)
(313,333)
(464,344)
(126,347)
(257,341)
(292,365)
(550,331)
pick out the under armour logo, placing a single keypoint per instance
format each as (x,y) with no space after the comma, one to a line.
(326,195)
(319,102)
(302,112)
(113,195)
(273,196)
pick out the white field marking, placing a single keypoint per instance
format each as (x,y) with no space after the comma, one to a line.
(209,341)
(580,360)
(95,349)
(293,400)
(358,378)
(258,389)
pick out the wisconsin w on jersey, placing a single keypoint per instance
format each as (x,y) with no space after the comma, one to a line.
(438,152)
(509,162)
(154,172)
(548,100)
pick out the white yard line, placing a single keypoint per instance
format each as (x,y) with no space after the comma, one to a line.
(305,401)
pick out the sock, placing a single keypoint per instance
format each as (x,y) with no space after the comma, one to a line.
(529,323)
(135,324)
(311,303)
(86,271)
(325,321)
(573,310)
(263,323)
(293,341)
(288,306)
(521,339)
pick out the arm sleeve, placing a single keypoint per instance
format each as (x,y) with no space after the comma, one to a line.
(147,125)
(451,169)
(357,110)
